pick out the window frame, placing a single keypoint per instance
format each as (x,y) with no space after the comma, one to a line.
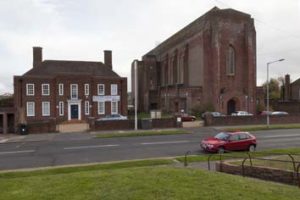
(61,110)
(87,108)
(116,107)
(98,89)
(44,113)
(231,61)
(43,91)
(101,112)
(71,91)
(61,89)
(86,89)
(27,109)
(27,89)
(114,89)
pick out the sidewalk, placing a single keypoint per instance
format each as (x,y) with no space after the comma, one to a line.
(10,138)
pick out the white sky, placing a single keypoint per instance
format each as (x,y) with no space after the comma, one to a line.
(82,29)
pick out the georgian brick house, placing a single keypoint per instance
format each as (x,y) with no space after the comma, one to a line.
(68,90)
(211,61)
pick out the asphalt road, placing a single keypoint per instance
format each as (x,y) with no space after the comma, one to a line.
(84,148)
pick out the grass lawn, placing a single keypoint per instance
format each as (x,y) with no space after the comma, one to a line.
(144,182)
(263,127)
(142,133)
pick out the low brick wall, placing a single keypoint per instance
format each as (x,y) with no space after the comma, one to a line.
(42,127)
(113,125)
(250,120)
(129,124)
(270,174)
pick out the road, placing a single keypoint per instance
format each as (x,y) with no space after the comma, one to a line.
(83,148)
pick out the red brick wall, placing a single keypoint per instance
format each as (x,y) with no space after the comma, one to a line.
(250,120)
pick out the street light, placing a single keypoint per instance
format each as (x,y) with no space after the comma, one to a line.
(268,109)
(135,65)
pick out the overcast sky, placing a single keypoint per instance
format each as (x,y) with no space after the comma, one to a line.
(82,29)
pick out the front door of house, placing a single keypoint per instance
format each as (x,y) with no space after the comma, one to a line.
(74,111)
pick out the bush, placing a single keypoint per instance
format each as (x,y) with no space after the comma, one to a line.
(198,109)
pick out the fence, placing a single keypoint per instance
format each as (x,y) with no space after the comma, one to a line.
(258,165)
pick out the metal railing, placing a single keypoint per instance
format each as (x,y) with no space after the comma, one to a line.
(251,156)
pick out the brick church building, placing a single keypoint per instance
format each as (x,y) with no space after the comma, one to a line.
(211,61)
(68,91)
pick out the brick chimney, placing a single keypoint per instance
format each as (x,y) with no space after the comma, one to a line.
(108,58)
(287,87)
(37,56)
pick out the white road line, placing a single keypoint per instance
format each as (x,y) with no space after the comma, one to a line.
(3,140)
(91,147)
(279,136)
(14,152)
(166,142)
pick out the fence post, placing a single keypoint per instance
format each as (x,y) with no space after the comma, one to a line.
(293,160)
(298,176)
(185,158)
(243,167)
(208,161)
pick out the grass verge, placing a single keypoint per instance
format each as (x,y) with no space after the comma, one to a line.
(263,127)
(141,133)
(155,182)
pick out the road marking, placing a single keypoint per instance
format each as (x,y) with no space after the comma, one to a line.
(279,136)
(91,147)
(13,152)
(3,140)
(166,142)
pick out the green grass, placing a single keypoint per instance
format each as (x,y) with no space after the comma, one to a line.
(263,127)
(160,182)
(142,133)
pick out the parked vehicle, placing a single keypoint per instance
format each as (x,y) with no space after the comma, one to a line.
(279,113)
(241,113)
(112,117)
(229,141)
(186,117)
(214,114)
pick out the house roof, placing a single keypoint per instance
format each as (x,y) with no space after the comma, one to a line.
(63,67)
(194,27)
(296,82)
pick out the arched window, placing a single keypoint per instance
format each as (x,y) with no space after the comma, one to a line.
(230,69)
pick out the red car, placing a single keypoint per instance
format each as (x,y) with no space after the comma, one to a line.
(229,141)
(186,117)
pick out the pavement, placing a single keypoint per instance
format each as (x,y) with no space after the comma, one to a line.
(14,138)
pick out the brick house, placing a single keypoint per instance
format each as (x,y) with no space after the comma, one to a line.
(210,62)
(68,91)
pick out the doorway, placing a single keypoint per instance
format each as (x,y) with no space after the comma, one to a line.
(231,106)
(74,112)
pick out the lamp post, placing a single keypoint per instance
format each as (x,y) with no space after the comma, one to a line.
(268,104)
(135,94)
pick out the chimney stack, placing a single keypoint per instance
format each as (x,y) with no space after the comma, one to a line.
(287,87)
(108,58)
(37,56)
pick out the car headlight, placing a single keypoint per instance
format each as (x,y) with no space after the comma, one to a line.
(210,146)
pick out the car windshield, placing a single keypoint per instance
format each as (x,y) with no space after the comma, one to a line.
(222,136)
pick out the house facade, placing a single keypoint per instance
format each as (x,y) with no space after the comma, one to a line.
(68,91)
(209,63)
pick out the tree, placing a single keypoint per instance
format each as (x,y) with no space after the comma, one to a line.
(274,89)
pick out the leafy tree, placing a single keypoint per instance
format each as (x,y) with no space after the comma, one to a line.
(274,89)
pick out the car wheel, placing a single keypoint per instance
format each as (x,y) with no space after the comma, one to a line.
(221,150)
(251,148)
